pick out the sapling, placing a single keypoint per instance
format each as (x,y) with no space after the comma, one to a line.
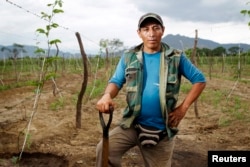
(47,60)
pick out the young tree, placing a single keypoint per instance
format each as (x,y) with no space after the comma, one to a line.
(113,46)
(44,74)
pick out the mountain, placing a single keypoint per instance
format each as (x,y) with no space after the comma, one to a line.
(176,41)
(29,50)
(183,43)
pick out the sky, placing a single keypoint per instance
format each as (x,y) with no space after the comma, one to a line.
(217,20)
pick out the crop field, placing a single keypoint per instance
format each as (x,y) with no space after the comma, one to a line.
(46,135)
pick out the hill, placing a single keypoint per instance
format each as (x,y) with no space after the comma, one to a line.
(176,41)
(29,51)
(183,42)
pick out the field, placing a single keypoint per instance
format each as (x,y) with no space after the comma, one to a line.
(53,139)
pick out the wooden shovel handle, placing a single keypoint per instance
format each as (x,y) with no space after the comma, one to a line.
(105,140)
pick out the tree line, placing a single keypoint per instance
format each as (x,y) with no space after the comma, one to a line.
(218,51)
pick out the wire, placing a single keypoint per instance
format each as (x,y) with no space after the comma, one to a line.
(40,17)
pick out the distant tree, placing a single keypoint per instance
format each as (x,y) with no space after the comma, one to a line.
(5,49)
(233,50)
(17,49)
(219,51)
(113,46)
(206,51)
(14,52)
(201,51)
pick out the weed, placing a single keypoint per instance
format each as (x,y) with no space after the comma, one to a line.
(57,104)
(14,159)
(224,121)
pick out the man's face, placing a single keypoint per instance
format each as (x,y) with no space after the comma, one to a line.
(151,34)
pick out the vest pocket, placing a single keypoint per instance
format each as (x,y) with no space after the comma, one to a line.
(172,79)
(131,76)
(172,91)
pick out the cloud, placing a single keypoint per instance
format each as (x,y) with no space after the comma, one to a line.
(213,11)
(217,20)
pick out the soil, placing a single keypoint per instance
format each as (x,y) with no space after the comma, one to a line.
(54,140)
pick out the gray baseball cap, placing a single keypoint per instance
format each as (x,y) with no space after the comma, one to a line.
(150,15)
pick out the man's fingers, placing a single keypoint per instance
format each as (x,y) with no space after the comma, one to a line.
(173,121)
(107,108)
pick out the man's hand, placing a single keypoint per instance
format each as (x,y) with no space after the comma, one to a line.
(104,104)
(175,117)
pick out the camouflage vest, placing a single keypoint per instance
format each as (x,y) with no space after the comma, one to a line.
(134,79)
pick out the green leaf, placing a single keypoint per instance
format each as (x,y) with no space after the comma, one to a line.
(60,3)
(49,76)
(40,50)
(58,11)
(55,41)
(44,15)
(54,25)
(243,12)
(48,28)
(40,30)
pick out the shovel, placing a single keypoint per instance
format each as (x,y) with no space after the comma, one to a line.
(105,136)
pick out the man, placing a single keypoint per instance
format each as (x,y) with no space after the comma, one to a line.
(152,72)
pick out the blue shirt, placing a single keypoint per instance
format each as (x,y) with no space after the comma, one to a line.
(150,114)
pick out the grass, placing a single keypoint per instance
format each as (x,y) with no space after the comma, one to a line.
(57,104)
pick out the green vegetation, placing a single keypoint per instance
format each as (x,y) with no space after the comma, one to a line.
(57,104)
(233,108)
(234,69)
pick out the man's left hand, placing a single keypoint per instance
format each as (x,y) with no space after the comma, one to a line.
(175,117)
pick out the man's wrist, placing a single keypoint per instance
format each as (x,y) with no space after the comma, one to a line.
(107,93)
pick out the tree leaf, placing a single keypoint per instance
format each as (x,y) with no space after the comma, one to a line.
(54,41)
(54,25)
(58,11)
(40,30)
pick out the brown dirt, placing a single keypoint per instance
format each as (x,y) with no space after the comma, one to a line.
(54,141)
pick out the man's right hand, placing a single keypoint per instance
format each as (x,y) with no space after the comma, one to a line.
(103,105)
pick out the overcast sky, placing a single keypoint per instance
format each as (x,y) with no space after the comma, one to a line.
(217,20)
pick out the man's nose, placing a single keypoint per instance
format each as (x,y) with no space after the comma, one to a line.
(151,32)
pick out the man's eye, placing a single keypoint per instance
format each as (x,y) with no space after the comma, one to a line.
(157,28)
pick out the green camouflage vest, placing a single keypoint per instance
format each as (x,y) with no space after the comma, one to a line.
(134,78)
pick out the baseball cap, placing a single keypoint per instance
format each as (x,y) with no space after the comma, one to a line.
(150,15)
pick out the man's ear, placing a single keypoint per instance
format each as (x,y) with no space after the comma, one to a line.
(139,33)
(163,30)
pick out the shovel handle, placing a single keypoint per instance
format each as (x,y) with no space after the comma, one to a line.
(105,127)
